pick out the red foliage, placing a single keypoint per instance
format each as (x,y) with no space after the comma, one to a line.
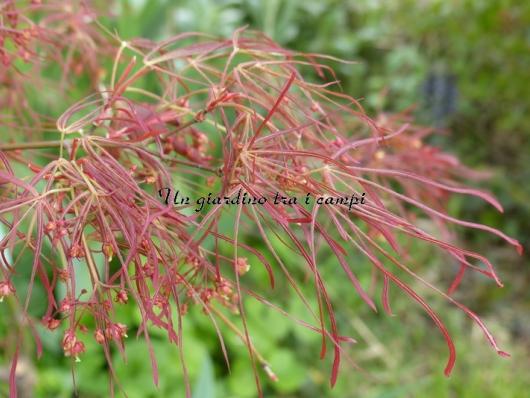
(234,115)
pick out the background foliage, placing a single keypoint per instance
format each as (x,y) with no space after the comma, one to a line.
(464,65)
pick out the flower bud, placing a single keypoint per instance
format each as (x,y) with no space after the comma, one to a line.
(150,180)
(76,251)
(121,297)
(50,226)
(107,250)
(242,265)
(99,336)
(5,289)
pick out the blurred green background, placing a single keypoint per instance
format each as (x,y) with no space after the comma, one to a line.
(465,65)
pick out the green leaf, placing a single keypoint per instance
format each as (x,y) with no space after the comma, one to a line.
(205,383)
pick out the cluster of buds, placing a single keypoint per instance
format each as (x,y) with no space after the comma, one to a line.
(207,294)
(111,332)
(224,288)
(65,305)
(71,346)
(58,227)
(22,41)
(222,293)
(117,331)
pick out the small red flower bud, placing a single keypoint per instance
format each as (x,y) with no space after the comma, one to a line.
(68,343)
(118,330)
(200,116)
(79,348)
(109,332)
(150,180)
(76,251)
(242,265)
(145,244)
(64,306)
(122,330)
(63,275)
(107,250)
(5,289)
(50,226)
(71,346)
(160,303)
(183,310)
(121,297)
(224,288)
(52,324)
(207,294)
(99,336)
(148,269)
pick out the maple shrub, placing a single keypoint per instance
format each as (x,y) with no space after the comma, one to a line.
(132,181)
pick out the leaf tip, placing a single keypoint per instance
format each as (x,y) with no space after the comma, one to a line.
(503,354)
